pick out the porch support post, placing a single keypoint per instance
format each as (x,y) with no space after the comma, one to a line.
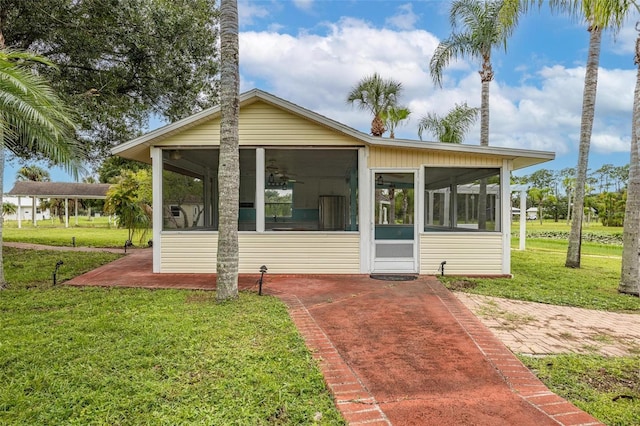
(505,194)
(76,210)
(33,211)
(365,205)
(66,212)
(260,172)
(19,212)
(156,179)
(523,219)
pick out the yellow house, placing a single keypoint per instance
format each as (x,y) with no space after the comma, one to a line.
(317,196)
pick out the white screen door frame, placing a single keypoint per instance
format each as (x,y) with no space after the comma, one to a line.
(394,229)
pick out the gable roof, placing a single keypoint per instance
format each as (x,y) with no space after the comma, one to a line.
(132,149)
(59,190)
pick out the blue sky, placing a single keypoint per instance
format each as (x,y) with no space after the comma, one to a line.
(312,52)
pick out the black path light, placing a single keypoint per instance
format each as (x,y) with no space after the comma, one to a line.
(263,269)
(55,271)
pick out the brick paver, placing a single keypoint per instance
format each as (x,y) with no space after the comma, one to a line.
(541,329)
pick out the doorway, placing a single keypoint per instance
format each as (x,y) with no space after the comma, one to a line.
(394,223)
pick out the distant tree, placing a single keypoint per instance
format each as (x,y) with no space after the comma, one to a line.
(539,196)
(120,62)
(112,167)
(9,208)
(452,127)
(377,95)
(393,116)
(130,200)
(33,173)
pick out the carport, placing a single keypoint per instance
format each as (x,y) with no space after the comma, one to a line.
(61,190)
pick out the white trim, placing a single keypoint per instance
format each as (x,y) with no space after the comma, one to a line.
(156,178)
(397,264)
(523,219)
(259,203)
(505,175)
(364,205)
(19,212)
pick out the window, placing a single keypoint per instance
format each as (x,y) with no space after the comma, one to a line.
(311,190)
(190,189)
(462,199)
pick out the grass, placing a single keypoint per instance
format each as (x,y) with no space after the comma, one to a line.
(31,269)
(540,276)
(88,234)
(607,388)
(80,356)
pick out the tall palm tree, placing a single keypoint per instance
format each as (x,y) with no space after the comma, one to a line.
(35,174)
(630,273)
(32,116)
(452,127)
(393,116)
(377,95)
(229,162)
(599,15)
(484,28)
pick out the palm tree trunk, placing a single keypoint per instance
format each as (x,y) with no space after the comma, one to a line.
(487,76)
(229,162)
(3,282)
(588,109)
(630,274)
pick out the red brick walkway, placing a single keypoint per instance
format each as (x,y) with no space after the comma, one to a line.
(401,353)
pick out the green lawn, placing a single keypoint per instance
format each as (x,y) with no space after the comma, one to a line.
(78,356)
(607,388)
(124,356)
(97,233)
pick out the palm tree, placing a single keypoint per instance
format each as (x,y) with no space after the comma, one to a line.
(229,162)
(377,95)
(599,15)
(33,173)
(484,28)
(393,116)
(9,208)
(452,127)
(630,272)
(32,116)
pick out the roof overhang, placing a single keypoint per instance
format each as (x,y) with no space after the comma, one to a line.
(89,191)
(139,148)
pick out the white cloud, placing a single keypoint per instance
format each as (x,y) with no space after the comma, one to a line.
(303,4)
(248,11)
(404,19)
(543,112)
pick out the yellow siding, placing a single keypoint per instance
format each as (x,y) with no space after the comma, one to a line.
(291,253)
(465,253)
(262,124)
(384,157)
